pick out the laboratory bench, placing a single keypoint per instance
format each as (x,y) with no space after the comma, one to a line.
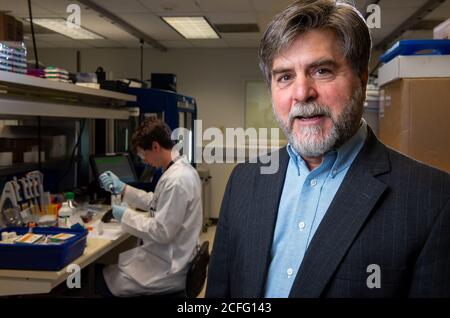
(99,249)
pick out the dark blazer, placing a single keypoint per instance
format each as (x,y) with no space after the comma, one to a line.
(389,210)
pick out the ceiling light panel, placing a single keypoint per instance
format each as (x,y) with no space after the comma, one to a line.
(66,28)
(192,27)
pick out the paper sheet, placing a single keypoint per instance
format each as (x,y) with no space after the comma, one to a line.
(111,231)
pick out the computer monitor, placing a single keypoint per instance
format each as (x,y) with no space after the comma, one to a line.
(120,164)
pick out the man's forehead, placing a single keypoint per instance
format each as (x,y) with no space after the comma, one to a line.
(311,47)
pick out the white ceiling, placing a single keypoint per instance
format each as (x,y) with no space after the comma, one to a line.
(145,16)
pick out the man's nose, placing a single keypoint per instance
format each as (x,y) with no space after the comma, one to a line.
(304,89)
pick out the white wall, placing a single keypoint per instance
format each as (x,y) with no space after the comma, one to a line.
(215,77)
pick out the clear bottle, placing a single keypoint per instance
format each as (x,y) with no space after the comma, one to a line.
(64,215)
(67,213)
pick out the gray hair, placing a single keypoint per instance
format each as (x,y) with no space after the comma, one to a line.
(305,15)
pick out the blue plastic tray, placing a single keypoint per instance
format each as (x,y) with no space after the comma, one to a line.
(414,47)
(42,257)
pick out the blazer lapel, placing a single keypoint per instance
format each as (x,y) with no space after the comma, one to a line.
(267,197)
(354,201)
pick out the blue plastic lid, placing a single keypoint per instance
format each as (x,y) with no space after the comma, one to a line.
(415,47)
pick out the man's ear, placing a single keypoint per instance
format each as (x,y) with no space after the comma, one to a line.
(155,145)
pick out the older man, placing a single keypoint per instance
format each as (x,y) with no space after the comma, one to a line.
(344,216)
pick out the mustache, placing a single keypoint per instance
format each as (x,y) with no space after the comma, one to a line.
(308,110)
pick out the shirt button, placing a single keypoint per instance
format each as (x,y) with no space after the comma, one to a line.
(334,173)
(313,182)
(290,271)
(301,226)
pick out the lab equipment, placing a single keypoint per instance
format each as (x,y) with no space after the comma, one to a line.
(46,257)
(64,215)
(37,179)
(48,220)
(110,182)
(119,164)
(29,238)
(107,217)
(100,228)
(176,110)
(9,207)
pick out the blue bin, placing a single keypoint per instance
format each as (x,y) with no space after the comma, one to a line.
(414,47)
(42,257)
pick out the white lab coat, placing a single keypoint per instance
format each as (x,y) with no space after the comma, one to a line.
(169,238)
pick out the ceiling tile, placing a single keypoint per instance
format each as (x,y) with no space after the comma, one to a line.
(176,44)
(105,28)
(247,43)
(170,6)
(221,6)
(270,5)
(216,43)
(389,4)
(122,6)
(151,25)
(232,17)
(20,8)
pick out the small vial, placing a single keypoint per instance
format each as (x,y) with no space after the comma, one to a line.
(100,228)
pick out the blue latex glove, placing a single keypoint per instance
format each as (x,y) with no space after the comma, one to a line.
(118,211)
(110,182)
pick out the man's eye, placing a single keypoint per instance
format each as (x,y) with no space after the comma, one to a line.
(284,78)
(323,72)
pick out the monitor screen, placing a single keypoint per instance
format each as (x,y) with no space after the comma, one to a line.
(120,165)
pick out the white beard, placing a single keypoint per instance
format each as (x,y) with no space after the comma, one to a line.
(312,140)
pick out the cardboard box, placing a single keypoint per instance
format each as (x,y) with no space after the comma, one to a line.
(18,31)
(414,119)
(7,27)
(442,31)
(415,66)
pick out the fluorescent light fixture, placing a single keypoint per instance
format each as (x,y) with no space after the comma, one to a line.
(66,28)
(192,27)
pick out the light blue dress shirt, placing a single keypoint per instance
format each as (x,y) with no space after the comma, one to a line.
(304,201)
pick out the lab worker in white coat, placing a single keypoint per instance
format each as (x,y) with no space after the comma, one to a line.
(170,228)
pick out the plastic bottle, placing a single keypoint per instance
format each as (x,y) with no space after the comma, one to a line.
(66,213)
(70,196)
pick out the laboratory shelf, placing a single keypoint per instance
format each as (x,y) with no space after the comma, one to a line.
(11,106)
(32,96)
(12,81)
(23,167)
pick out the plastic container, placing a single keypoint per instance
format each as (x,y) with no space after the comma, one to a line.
(416,47)
(52,257)
(67,214)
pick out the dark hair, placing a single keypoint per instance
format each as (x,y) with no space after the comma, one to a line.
(305,15)
(151,130)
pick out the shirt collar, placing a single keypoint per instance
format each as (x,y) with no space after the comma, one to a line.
(345,154)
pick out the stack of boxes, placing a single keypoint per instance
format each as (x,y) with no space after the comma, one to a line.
(57,74)
(414,95)
(13,57)
(13,53)
(10,29)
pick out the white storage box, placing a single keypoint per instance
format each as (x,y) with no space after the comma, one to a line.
(414,67)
